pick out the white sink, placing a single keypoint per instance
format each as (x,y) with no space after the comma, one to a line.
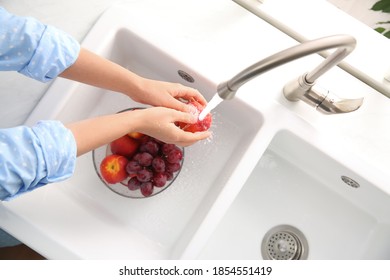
(296,184)
(254,174)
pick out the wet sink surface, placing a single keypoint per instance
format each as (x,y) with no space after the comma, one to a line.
(297,185)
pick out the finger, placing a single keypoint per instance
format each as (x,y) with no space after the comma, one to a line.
(181,106)
(202,135)
(189,138)
(196,136)
(199,97)
(184,117)
(191,93)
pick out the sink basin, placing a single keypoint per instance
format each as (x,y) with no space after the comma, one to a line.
(140,229)
(334,212)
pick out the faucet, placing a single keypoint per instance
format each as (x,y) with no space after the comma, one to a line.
(304,87)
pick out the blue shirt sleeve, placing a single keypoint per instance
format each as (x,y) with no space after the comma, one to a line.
(36,156)
(33,49)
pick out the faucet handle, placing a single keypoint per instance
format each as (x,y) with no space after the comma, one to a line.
(322,99)
(332,104)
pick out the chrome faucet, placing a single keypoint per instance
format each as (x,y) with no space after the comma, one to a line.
(303,88)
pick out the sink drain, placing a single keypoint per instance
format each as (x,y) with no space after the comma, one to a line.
(284,242)
(350,182)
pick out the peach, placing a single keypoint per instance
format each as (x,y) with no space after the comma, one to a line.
(113,168)
(124,146)
(200,125)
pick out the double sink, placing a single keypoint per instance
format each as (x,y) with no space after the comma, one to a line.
(265,168)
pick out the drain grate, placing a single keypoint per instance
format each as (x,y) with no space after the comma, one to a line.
(282,246)
(284,242)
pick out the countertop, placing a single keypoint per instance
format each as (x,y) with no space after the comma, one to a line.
(315,18)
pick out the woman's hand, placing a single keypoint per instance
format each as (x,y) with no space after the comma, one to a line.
(159,122)
(166,94)
(95,70)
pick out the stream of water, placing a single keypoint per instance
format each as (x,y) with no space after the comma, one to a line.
(214,102)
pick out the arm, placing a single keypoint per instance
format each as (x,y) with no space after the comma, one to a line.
(46,153)
(43,52)
(95,70)
(33,49)
(158,122)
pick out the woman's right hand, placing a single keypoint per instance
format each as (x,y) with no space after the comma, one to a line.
(159,122)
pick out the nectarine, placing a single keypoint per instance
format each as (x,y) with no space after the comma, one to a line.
(124,146)
(200,125)
(113,168)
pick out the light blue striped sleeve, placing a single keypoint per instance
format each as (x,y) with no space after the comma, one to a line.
(31,157)
(33,49)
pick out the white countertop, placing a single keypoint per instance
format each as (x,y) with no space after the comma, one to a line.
(315,18)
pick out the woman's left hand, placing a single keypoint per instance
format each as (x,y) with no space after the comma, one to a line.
(166,94)
(95,70)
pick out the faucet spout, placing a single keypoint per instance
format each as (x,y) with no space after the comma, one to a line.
(302,87)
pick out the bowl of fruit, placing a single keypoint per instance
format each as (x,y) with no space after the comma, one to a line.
(137,165)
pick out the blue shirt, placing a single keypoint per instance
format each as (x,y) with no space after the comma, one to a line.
(33,49)
(31,157)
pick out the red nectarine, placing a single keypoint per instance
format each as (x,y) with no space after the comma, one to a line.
(113,168)
(200,125)
(124,146)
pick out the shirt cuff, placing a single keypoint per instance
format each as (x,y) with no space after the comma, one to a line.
(33,157)
(59,150)
(55,52)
